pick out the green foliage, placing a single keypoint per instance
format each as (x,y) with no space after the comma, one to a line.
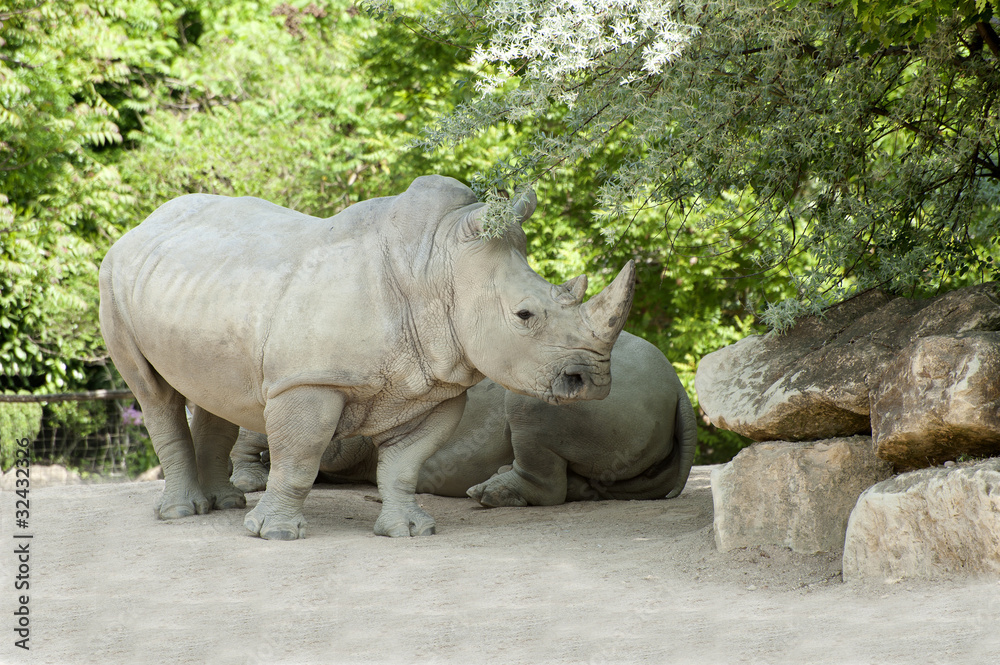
(778,131)
(17,421)
(309,107)
(717,446)
(59,203)
(140,456)
(81,418)
(268,107)
(900,22)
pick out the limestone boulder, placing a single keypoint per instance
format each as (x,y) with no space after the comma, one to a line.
(939,399)
(796,494)
(931,523)
(814,381)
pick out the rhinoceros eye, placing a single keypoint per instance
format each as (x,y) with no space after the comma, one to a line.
(524,315)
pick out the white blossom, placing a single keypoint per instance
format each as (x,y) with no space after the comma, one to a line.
(560,39)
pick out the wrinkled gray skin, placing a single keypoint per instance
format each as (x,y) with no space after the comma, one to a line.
(373,322)
(638,443)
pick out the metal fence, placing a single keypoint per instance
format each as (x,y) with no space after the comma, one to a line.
(101,434)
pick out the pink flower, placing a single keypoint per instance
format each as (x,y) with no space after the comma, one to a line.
(132,416)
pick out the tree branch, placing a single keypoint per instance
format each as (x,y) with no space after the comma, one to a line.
(990,37)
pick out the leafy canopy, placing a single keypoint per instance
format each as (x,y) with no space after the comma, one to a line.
(785,133)
(59,202)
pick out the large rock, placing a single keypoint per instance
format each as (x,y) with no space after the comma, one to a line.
(799,495)
(930,523)
(814,382)
(938,399)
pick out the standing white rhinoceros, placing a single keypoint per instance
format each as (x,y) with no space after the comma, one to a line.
(637,443)
(372,322)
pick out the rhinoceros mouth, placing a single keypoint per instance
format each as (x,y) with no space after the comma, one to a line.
(567,386)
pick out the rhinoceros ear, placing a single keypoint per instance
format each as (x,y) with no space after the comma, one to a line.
(572,292)
(524,205)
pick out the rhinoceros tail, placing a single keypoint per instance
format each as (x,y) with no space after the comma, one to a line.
(666,478)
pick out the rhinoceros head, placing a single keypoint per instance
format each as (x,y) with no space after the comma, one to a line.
(530,336)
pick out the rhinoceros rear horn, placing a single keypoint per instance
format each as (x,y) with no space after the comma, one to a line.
(606,312)
(571,292)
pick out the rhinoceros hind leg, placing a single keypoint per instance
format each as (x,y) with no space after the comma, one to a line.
(213,439)
(174,505)
(162,412)
(168,429)
(300,423)
(249,472)
(182,495)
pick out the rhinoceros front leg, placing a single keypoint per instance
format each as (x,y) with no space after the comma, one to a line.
(213,439)
(537,478)
(249,473)
(399,462)
(300,423)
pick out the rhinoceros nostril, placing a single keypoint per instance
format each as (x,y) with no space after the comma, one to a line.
(569,385)
(573,383)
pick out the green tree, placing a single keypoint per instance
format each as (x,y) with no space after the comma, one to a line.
(903,22)
(61,203)
(783,134)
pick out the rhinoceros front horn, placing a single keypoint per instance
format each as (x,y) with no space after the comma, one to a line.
(606,312)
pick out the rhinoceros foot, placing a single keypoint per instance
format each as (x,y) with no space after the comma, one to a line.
(249,476)
(404,520)
(268,523)
(498,492)
(182,503)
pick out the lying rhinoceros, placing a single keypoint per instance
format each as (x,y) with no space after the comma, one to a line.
(637,443)
(373,322)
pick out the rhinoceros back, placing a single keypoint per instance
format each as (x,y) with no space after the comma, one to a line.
(204,282)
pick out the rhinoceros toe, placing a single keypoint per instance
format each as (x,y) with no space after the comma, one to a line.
(403,521)
(175,505)
(495,493)
(272,527)
(287,532)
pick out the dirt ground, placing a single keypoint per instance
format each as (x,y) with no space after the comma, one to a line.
(608,582)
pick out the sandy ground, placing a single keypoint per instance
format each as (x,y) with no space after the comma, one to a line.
(608,582)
